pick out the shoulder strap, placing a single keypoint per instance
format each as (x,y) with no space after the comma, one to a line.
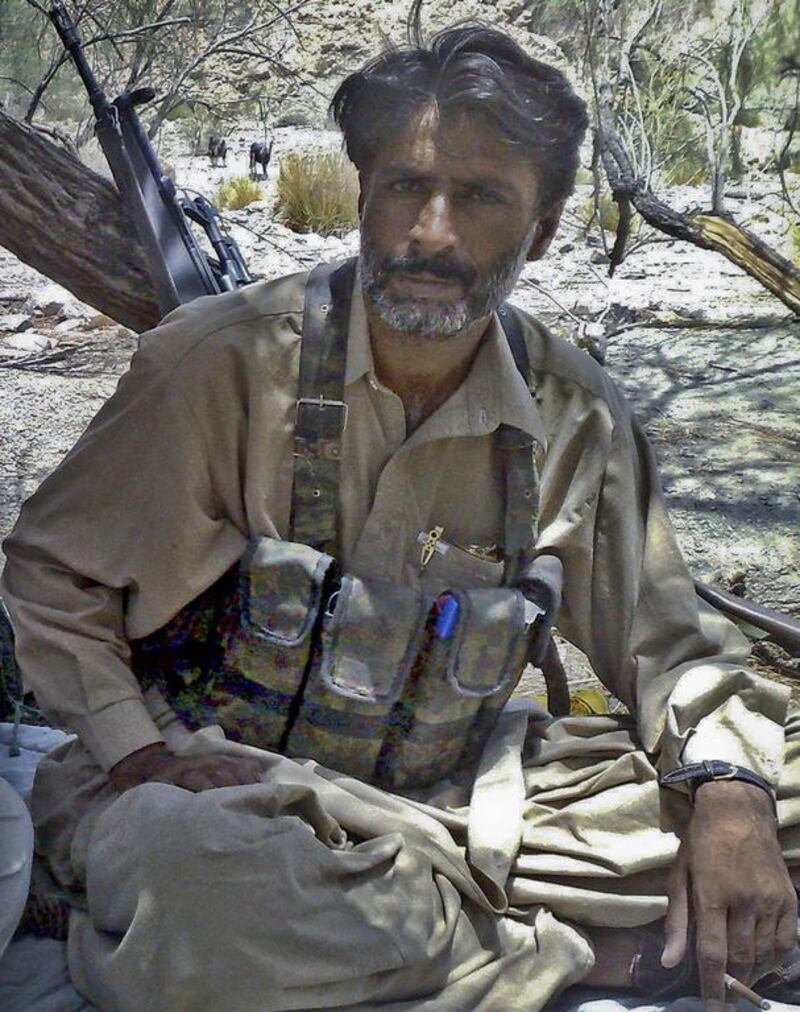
(512,327)
(321,412)
(522,479)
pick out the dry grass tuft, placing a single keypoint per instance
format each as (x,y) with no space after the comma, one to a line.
(237,192)
(318,193)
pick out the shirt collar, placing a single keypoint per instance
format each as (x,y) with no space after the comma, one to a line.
(359,352)
(494,392)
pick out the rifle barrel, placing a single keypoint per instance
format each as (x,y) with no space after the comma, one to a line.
(71,41)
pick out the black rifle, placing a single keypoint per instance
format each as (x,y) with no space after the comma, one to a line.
(180,269)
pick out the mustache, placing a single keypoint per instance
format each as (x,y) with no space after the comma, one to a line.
(446,269)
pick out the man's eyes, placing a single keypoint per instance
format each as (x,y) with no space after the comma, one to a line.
(482,196)
(407,186)
(472,194)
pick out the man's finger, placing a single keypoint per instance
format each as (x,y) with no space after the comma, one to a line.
(241,765)
(786,933)
(194,780)
(742,943)
(676,925)
(712,952)
(247,771)
(223,777)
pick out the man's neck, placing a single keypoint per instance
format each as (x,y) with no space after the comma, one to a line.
(422,370)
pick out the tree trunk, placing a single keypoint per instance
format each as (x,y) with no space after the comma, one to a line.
(708,229)
(69,223)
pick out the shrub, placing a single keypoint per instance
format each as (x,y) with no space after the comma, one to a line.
(237,192)
(608,213)
(584,176)
(686,170)
(794,242)
(293,118)
(318,193)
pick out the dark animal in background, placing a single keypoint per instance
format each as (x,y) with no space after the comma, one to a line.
(260,155)
(217,150)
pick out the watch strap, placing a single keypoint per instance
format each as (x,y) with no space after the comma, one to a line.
(695,774)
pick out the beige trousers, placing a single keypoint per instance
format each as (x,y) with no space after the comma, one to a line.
(313,890)
(16,852)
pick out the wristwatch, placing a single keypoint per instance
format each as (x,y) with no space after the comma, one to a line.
(695,774)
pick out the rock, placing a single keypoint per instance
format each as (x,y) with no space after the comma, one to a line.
(30,343)
(568,247)
(15,322)
(98,322)
(620,313)
(54,301)
(46,301)
(65,327)
(592,338)
(599,257)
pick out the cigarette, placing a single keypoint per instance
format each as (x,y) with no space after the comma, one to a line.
(743,991)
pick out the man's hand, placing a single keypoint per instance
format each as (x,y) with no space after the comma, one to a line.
(193,772)
(731,876)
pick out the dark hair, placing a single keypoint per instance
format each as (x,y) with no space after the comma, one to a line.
(525,102)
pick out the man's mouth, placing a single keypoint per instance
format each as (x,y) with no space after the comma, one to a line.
(424,284)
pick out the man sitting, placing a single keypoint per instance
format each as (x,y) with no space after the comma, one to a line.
(317,545)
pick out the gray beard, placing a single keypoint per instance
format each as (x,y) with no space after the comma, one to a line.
(439,320)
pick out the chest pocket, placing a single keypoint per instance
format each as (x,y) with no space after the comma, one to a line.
(377,680)
(451,566)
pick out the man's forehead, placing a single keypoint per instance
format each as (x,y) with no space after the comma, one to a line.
(461,143)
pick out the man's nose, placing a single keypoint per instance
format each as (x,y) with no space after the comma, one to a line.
(434,230)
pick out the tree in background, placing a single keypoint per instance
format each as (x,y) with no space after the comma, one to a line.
(622,50)
(177,47)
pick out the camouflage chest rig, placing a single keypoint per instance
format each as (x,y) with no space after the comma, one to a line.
(373,678)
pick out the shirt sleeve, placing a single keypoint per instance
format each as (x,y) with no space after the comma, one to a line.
(630,603)
(138,519)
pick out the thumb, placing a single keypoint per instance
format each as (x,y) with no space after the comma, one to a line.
(676,926)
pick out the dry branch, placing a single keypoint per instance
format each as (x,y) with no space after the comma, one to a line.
(69,223)
(710,230)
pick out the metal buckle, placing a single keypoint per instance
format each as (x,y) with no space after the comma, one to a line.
(711,772)
(322,403)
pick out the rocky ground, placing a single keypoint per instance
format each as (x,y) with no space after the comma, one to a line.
(710,359)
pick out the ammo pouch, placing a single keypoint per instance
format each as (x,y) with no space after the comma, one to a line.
(361,675)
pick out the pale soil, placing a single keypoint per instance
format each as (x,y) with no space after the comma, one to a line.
(711,361)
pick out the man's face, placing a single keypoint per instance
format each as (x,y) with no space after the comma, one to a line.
(447,221)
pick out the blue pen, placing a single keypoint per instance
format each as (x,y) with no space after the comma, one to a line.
(448,608)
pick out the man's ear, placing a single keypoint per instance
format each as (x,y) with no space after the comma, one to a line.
(546,228)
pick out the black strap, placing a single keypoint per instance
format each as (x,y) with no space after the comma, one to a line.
(321,412)
(522,479)
(512,327)
(702,772)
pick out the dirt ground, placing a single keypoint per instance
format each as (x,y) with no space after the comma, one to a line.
(711,361)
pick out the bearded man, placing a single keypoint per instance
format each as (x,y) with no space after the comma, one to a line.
(303,520)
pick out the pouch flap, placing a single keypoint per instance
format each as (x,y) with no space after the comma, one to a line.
(280,589)
(489,636)
(372,638)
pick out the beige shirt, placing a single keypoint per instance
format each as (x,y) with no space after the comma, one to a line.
(193,455)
